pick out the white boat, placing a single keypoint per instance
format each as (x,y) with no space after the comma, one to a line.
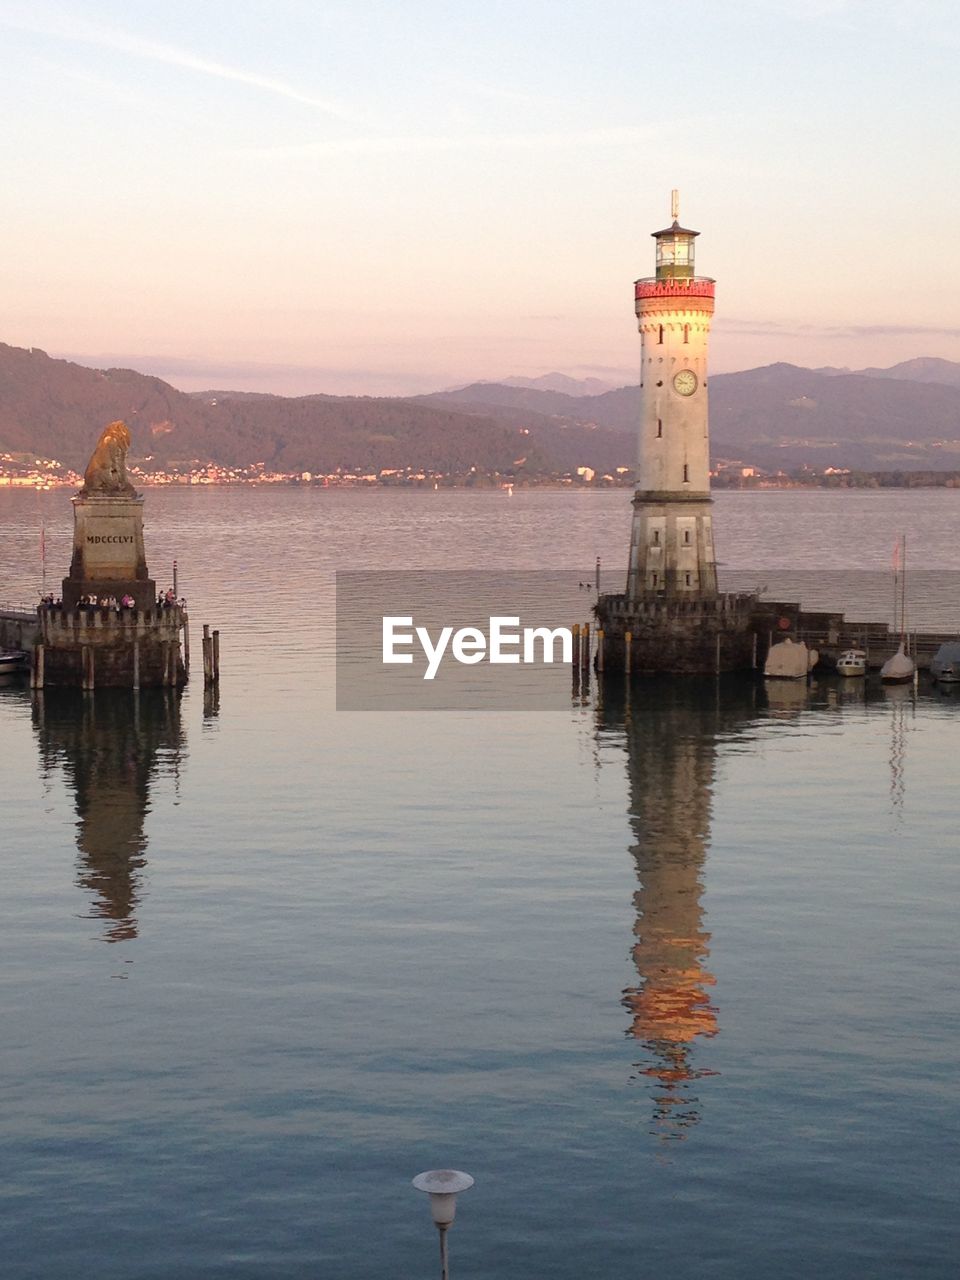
(790,660)
(12,660)
(852,662)
(900,668)
(945,663)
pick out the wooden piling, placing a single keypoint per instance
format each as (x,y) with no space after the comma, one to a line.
(88,680)
(599,648)
(186,644)
(211,701)
(136,666)
(585,650)
(216,656)
(36,667)
(718,654)
(576,645)
(207,655)
(627,651)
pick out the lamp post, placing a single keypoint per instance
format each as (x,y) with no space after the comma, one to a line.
(443,1186)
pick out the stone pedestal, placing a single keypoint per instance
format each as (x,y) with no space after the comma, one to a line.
(108,554)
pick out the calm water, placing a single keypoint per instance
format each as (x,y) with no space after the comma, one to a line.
(673,977)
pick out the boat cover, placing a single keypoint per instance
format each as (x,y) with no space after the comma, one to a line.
(789,660)
(899,667)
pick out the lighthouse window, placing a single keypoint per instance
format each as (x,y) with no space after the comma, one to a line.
(656,537)
(686,474)
(686,535)
(660,336)
(659,428)
(688,579)
(686,333)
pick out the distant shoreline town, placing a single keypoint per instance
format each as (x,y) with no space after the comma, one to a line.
(20,471)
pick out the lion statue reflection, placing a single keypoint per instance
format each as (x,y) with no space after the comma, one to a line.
(107,469)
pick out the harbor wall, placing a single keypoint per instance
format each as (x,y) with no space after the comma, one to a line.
(730,632)
(19,628)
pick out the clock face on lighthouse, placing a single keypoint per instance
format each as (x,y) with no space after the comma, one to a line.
(685,382)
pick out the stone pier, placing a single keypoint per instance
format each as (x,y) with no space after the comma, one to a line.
(92,647)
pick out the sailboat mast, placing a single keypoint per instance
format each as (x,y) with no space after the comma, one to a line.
(903,589)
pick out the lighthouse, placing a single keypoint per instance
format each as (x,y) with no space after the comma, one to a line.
(671,618)
(671,544)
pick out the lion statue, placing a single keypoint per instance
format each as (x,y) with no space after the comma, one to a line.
(107,469)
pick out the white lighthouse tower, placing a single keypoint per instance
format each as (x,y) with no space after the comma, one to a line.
(671,544)
(671,619)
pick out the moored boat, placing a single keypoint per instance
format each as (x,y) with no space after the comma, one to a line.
(945,663)
(790,660)
(852,662)
(900,668)
(12,660)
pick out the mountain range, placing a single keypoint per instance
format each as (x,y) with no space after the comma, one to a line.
(780,416)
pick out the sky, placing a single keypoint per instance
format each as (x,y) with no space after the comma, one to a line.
(384,198)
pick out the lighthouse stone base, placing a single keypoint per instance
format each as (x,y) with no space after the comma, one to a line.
(678,635)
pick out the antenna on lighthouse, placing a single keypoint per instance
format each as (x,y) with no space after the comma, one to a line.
(675,204)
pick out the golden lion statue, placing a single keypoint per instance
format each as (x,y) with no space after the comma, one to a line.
(107,469)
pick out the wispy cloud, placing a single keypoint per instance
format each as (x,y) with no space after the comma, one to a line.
(786,329)
(65,27)
(408,144)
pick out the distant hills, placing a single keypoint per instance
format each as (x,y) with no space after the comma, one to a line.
(921,369)
(776,417)
(561,382)
(782,416)
(54,408)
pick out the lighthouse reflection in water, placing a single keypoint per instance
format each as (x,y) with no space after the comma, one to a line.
(670,740)
(109,748)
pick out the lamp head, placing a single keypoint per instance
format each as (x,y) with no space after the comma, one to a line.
(443,1185)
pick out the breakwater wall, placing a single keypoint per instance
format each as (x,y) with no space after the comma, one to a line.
(677,636)
(19,627)
(831,633)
